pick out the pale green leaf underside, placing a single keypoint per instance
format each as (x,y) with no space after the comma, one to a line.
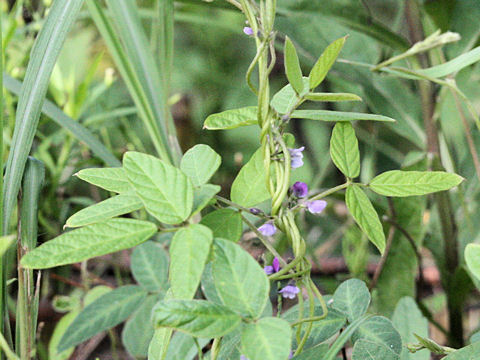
(183,347)
(370,350)
(198,318)
(189,252)
(352,299)
(232,119)
(107,209)
(138,330)
(202,196)
(411,183)
(267,339)
(328,115)
(149,264)
(469,352)
(249,187)
(111,179)
(166,191)
(102,314)
(365,216)
(325,62)
(284,100)
(409,320)
(332,97)
(344,149)
(225,224)
(380,330)
(292,66)
(199,163)
(472,257)
(239,280)
(88,242)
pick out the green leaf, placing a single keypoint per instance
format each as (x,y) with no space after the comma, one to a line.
(370,350)
(111,179)
(67,319)
(469,352)
(249,187)
(325,62)
(267,339)
(225,224)
(344,149)
(365,215)
(340,341)
(198,318)
(352,298)
(149,264)
(60,328)
(383,339)
(104,313)
(332,97)
(314,353)
(332,116)
(203,195)
(208,285)
(284,100)
(183,347)
(138,330)
(452,66)
(408,320)
(189,252)
(199,163)
(74,127)
(292,66)
(355,251)
(45,51)
(321,330)
(472,258)
(409,183)
(240,281)
(232,119)
(166,191)
(88,242)
(107,209)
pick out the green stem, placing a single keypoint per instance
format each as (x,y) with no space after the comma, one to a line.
(6,349)
(264,241)
(239,207)
(215,348)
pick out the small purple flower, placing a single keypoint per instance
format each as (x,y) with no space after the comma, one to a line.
(267,229)
(289,292)
(300,189)
(316,206)
(269,270)
(248,30)
(243,357)
(291,355)
(296,157)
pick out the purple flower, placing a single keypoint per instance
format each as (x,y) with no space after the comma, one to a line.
(243,357)
(316,206)
(289,292)
(300,189)
(291,355)
(248,30)
(267,229)
(296,157)
(269,270)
